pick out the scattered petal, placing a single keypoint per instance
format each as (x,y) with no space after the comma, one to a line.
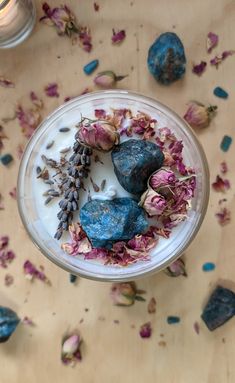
(223,167)
(8,280)
(28,119)
(162,343)
(96,7)
(152,306)
(225,143)
(4,241)
(208,266)
(145,330)
(6,159)
(3,136)
(173,319)
(6,257)
(118,36)
(5,83)
(51,90)
(199,68)
(31,272)
(196,327)
(220,184)
(27,321)
(217,60)
(13,193)
(70,352)
(19,151)
(212,41)
(223,216)
(220,92)
(176,269)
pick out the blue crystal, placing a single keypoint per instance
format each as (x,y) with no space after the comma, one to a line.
(6,159)
(220,92)
(134,161)
(90,67)
(219,308)
(106,222)
(173,319)
(208,266)
(8,323)
(225,143)
(166,58)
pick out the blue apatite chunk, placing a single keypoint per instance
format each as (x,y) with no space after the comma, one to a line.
(134,161)
(106,222)
(166,58)
(8,323)
(90,67)
(220,308)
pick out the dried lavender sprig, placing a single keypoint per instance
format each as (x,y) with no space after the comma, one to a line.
(77,170)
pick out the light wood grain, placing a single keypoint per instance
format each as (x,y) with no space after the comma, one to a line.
(115,353)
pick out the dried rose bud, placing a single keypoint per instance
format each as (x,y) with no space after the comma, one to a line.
(163,177)
(198,115)
(176,269)
(153,203)
(71,344)
(99,136)
(107,79)
(125,294)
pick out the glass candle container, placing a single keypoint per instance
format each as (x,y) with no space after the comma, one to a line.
(17,19)
(41,221)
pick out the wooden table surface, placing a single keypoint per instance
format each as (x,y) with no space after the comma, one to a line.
(115,352)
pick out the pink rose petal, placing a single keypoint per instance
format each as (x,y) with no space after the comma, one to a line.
(51,90)
(212,41)
(118,36)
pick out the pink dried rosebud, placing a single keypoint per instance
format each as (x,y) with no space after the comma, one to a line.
(198,115)
(107,79)
(162,178)
(70,352)
(99,136)
(176,269)
(125,294)
(145,330)
(153,203)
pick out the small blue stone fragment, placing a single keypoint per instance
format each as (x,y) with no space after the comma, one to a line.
(72,278)
(225,143)
(134,161)
(90,67)
(106,222)
(220,308)
(8,323)
(220,92)
(6,159)
(173,319)
(208,266)
(166,58)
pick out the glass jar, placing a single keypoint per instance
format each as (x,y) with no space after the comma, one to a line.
(34,217)
(17,19)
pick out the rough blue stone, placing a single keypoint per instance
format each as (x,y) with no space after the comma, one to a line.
(6,159)
(166,58)
(225,143)
(220,308)
(106,222)
(220,92)
(173,319)
(72,278)
(8,323)
(208,266)
(90,67)
(134,161)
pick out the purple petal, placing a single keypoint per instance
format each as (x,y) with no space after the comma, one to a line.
(199,68)
(51,90)
(118,37)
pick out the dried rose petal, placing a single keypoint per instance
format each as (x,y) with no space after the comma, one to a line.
(212,41)
(80,243)
(196,327)
(176,268)
(20,150)
(223,216)
(5,83)
(220,184)
(6,257)
(145,330)
(8,280)
(199,68)
(223,167)
(51,90)
(31,272)
(198,115)
(29,120)
(4,240)
(152,306)
(98,135)
(118,37)
(3,136)
(27,321)
(13,193)
(217,60)
(96,7)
